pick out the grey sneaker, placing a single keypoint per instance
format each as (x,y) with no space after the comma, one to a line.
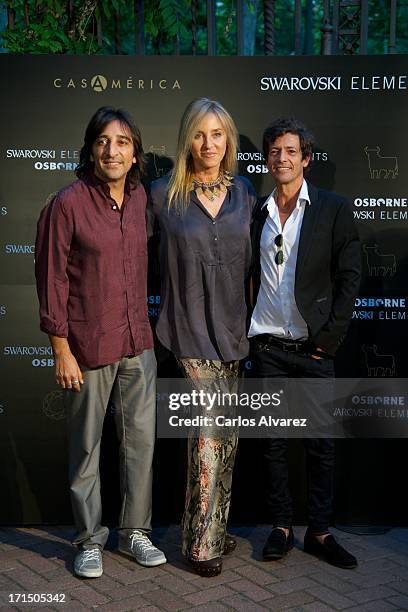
(138,546)
(88,563)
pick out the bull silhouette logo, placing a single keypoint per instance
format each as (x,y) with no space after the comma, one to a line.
(379,166)
(379,264)
(157,153)
(378,365)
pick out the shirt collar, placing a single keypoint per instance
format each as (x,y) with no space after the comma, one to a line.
(91,178)
(303,197)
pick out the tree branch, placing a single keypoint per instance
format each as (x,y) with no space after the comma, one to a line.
(84,16)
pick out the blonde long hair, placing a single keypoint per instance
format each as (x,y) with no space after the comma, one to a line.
(182,174)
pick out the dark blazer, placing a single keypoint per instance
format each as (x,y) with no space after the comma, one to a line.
(328,268)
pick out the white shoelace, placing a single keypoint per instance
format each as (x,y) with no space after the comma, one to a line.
(141,542)
(90,554)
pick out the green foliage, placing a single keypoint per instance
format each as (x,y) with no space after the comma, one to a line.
(36,39)
(172,14)
(45,26)
(167,24)
(378,26)
(226,28)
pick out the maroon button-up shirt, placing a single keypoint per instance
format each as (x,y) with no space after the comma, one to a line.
(91,270)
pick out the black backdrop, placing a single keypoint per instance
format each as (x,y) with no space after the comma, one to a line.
(356,107)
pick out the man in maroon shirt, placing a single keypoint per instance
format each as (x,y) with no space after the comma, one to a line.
(91,270)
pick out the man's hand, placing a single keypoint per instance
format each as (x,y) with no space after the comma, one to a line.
(67,371)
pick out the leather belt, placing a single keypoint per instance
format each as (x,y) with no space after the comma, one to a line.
(288,345)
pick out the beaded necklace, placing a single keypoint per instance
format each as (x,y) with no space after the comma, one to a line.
(213,189)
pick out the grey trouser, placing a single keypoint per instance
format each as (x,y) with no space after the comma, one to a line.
(130,384)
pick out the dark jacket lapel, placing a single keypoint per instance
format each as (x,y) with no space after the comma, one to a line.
(260,218)
(258,221)
(310,218)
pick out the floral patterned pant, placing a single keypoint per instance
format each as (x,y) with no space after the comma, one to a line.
(210,466)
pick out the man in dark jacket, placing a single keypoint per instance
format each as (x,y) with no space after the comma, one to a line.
(306,278)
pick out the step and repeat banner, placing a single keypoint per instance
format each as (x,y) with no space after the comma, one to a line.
(357,109)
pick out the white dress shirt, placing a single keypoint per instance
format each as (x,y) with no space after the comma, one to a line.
(276,311)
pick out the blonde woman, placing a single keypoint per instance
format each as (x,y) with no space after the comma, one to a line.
(204,214)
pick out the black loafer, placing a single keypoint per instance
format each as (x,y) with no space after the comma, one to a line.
(230,544)
(329,550)
(278,545)
(207,568)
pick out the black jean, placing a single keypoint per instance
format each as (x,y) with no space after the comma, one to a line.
(267,362)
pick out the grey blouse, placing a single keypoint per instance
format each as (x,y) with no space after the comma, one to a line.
(204,264)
